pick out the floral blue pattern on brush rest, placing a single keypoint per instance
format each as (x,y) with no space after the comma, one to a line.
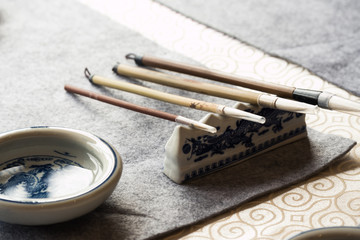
(34,173)
(209,145)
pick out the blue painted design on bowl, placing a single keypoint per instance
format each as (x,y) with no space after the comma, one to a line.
(35,176)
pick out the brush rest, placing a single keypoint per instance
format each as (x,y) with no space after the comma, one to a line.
(192,153)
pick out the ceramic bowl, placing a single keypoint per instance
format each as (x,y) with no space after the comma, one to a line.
(50,174)
(330,233)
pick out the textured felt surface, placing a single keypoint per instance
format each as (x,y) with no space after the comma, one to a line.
(45,44)
(321,35)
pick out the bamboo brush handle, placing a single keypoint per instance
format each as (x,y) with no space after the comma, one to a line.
(155,94)
(279,90)
(187,84)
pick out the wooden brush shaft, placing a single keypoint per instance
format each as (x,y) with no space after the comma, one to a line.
(120,103)
(188,84)
(155,94)
(279,90)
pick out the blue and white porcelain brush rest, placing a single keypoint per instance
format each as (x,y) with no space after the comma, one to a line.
(191,153)
(50,174)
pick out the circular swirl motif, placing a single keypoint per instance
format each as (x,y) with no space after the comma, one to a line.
(349,203)
(354,122)
(244,54)
(340,130)
(295,199)
(220,63)
(336,218)
(271,67)
(232,230)
(306,80)
(326,187)
(316,120)
(291,72)
(261,215)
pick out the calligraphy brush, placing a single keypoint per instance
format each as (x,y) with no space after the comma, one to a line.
(141,109)
(174,99)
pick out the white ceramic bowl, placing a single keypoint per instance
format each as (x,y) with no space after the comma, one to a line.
(50,174)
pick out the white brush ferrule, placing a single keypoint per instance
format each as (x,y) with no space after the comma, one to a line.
(233,112)
(275,102)
(343,105)
(195,124)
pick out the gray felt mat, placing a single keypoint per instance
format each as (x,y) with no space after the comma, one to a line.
(45,44)
(321,35)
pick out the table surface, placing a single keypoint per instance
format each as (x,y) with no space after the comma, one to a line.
(331,198)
